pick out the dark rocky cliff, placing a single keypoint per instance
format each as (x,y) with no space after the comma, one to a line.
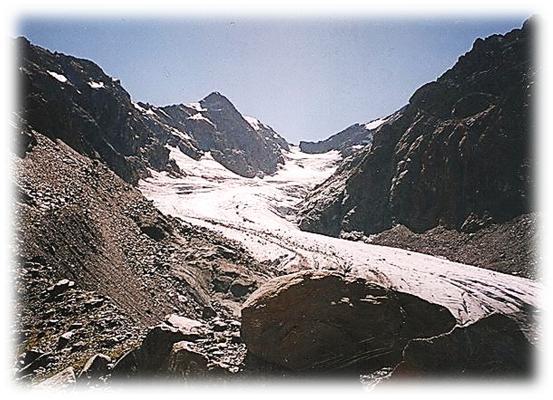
(72,99)
(354,135)
(348,141)
(217,126)
(458,155)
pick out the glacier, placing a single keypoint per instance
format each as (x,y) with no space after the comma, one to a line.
(260,213)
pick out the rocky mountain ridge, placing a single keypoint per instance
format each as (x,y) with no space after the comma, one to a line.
(348,141)
(64,94)
(458,155)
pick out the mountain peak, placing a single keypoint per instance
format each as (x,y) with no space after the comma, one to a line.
(215,96)
(216,101)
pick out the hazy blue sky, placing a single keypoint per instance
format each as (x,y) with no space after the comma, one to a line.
(306,78)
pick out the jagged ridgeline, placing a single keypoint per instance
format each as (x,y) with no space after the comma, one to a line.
(458,155)
(74,100)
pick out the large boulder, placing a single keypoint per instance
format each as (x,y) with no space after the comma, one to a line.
(317,320)
(494,345)
(157,345)
(152,357)
(63,379)
(128,365)
(186,360)
(96,367)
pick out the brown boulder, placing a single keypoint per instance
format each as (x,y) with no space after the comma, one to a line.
(322,321)
(185,361)
(156,346)
(62,379)
(96,367)
(127,365)
(494,345)
(153,355)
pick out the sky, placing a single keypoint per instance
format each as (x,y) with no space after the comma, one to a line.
(307,78)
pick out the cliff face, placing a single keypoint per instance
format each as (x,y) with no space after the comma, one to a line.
(242,144)
(457,155)
(73,100)
(353,137)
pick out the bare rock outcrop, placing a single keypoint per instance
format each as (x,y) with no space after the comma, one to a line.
(458,155)
(492,346)
(62,380)
(96,367)
(185,361)
(322,321)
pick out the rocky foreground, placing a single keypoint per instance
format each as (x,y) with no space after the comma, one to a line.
(313,323)
(97,263)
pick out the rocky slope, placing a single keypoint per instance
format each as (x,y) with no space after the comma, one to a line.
(244,145)
(62,95)
(458,155)
(509,247)
(72,99)
(97,263)
(348,141)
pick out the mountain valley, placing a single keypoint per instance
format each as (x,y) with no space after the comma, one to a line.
(190,241)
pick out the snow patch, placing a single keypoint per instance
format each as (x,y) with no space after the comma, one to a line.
(137,106)
(57,76)
(375,123)
(200,117)
(96,85)
(183,135)
(147,111)
(254,122)
(163,112)
(196,106)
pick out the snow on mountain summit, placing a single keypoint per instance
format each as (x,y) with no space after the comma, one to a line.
(254,122)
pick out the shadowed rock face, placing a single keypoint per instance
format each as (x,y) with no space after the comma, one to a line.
(72,99)
(344,141)
(218,127)
(457,155)
(321,321)
(494,345)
